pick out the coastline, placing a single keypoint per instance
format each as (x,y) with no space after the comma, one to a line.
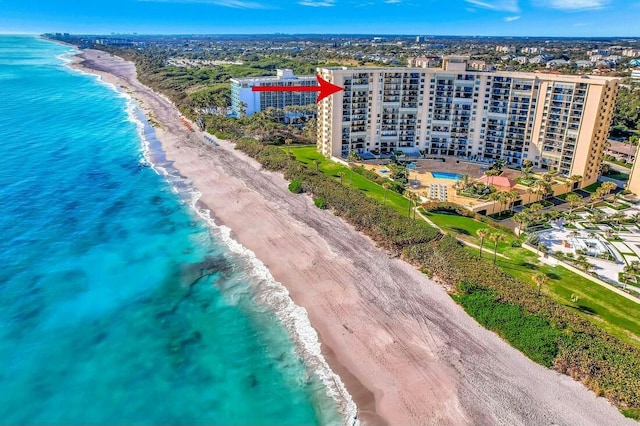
(405,351)
(271,293)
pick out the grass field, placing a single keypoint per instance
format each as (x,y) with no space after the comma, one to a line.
(306,154)
(465,228)
(610,311)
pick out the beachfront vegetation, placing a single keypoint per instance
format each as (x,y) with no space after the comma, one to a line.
(547,331)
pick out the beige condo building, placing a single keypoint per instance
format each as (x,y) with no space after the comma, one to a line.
(559,122)
(634,179)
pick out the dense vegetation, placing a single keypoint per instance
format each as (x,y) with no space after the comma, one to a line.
(626,118)
(543,329)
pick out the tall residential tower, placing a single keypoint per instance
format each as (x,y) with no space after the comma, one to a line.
(559,122)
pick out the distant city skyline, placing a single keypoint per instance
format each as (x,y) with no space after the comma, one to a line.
(561,18)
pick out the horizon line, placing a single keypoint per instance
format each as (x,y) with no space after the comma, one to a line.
(278,33)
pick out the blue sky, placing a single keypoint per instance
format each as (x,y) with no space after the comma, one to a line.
(419,17)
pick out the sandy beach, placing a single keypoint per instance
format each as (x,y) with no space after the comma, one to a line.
(406,352)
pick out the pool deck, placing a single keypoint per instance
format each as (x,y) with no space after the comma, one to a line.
(424,178)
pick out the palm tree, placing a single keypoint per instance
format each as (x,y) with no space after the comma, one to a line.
(416,198)
(496,238)
(465,181)
(288,143)
(386,187)
(513,197)
(535,207)
(530,190)
(341,174)
(538,188)
(491,173)
(521,218)
(411,196)
(540,279)
(495,197)
(482,233)
(607,187)
(504,199)
(573,200)
(317,163)
(597,196)
(618,217)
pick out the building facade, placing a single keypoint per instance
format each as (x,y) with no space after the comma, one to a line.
(558,122)
(244,101)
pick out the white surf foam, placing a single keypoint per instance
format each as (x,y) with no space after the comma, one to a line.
(273,294)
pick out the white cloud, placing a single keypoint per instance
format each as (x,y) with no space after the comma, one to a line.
(236,4)
(317,3)
(393,1)
(500,5)
(575,4)
(511,18)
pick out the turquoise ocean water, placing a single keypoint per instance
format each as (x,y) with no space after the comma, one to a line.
(119,304)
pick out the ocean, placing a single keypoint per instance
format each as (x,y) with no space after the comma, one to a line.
(119,301)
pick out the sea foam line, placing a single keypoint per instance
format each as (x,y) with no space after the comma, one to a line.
(294,318)
(273,294)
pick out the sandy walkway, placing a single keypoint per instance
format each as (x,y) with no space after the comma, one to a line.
(402,346)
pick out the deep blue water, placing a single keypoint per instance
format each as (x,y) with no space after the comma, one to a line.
(117,303)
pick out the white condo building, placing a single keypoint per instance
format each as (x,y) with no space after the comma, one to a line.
(244,98)
(559,122)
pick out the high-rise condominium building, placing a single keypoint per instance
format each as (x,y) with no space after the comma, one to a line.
(245,101)
(559,122)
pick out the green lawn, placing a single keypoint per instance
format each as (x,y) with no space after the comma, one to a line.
(613,174)
(465,228)
(592,187)
(610,311)
(306,155)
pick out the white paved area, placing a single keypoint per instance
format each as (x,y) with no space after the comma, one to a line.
(553,239)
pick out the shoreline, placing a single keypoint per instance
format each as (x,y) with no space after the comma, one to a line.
(405,351)
(293,318)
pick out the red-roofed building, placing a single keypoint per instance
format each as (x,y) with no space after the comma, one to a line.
(498,181)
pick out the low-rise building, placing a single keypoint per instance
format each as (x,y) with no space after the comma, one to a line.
(244,101)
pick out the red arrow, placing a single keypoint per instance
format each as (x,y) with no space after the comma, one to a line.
(325,88)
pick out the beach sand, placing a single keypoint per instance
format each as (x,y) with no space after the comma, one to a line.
(405,351)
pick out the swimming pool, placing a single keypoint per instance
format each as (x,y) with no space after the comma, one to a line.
(444,175)
(383,171)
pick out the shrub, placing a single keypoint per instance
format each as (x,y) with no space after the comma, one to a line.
(533,240)
(319,202)
(443,206)
(296,186)
(531,334)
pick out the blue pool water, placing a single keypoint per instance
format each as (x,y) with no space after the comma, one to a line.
(445,175)
(118,303)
